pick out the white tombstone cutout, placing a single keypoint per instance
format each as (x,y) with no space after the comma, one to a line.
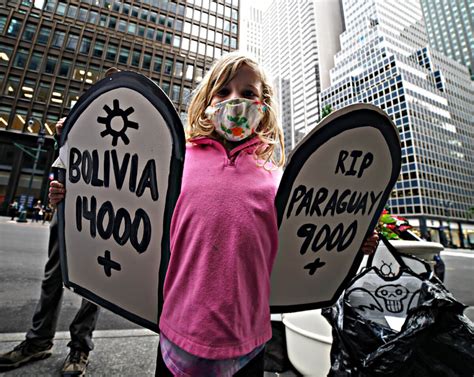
(123,147)
(332,193)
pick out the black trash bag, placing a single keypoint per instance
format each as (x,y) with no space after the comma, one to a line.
(436,339)
(276,356)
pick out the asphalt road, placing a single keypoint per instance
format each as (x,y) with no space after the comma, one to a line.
(23,250)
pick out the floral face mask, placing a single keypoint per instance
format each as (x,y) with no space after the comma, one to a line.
(237,118)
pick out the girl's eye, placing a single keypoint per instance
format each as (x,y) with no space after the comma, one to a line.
(249,94)
(222,92)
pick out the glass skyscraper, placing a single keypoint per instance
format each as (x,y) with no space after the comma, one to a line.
(450,27)
(385,60)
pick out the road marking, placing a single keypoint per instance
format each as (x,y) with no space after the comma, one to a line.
(457,254)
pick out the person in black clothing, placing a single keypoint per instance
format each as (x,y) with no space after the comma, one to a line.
(39,339)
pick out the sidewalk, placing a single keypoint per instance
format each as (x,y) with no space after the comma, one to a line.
(116,353)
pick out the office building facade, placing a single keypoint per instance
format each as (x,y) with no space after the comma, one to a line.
(52,51)
(384,60)
(299,41)
(450,28)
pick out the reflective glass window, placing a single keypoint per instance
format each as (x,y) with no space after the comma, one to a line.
(43,36)
(58,39)
(29,32)
(20,58)
(14,27)
(124,54)
(42,93)
(51,63)
(35,61)
(13,84)
(98,49)
(136,58)
(72,11)
(64,68)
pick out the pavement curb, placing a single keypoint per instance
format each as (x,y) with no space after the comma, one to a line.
(64,335)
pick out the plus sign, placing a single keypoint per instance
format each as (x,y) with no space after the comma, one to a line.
(108,263)
(313,266)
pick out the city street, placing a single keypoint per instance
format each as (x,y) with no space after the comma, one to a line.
(23,250)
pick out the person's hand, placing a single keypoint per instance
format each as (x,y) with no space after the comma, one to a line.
(60,125)
(370,244)
(56,192)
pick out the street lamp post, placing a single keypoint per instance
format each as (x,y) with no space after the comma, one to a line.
(40,142)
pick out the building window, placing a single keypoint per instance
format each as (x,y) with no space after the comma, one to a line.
(4,115)
(50,67)
(175,93)
(20,58)
(28,89)
(64,68)
(12,87)
(35,61)
(150,33)
(42,94)
(50,5)
(124,54)
(58,39)
(157,64)
(146,61)
(93,17)
(43,36)
(14,28)
(58,93)
(5,54)
(136,58)
(72,98)
(19,120)
(82,14)
(122,26)
(168,66)
(112,22)
(178,69)
(29,32)
(72,11)
(159,36)
(85,46)
(176,41)
(61,9)
(3,21)
(189,72)
(166,87)
(111,52)
(98,49)
(72,42)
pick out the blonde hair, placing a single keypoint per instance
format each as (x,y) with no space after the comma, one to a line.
(224,70)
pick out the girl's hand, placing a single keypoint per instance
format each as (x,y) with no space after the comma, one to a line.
(60,125)
(370,244)
(56,192)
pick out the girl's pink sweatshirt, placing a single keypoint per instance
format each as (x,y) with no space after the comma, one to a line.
(224,238)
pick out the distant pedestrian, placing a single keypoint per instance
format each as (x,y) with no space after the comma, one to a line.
(37,211)
(47,213)
(13,208)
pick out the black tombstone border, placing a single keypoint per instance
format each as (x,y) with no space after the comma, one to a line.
(348,118)
(156,96)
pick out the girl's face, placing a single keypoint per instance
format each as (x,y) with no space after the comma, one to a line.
(245,84)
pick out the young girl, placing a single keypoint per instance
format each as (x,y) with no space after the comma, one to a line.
(224,235)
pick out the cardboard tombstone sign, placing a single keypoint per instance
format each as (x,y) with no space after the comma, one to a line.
(123,148)
(332,193)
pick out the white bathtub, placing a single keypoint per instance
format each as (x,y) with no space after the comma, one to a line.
(308,342)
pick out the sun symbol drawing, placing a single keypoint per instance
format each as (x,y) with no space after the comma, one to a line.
(117,122)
